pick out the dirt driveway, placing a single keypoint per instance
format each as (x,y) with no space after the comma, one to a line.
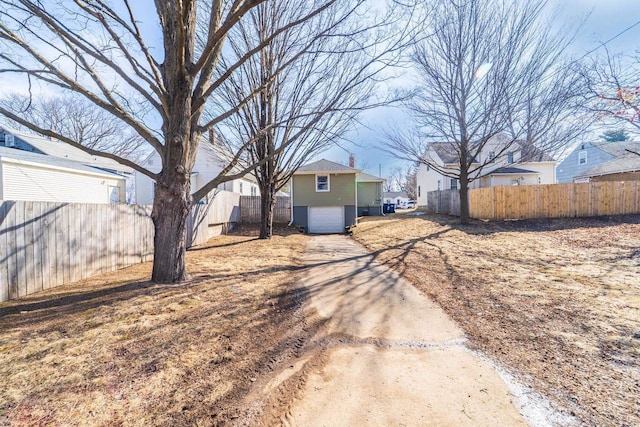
(390,356)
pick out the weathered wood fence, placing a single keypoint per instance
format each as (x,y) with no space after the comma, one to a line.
(555,200)
(444,202)
(43,245)
(216,216)
(250,209)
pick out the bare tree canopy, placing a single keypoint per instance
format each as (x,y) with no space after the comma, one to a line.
(613,88)
(80,120)
(98,50)
(312,81)
(488,73)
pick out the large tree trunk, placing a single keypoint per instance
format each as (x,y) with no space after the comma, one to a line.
(464,197)
(267,205)
(171,208)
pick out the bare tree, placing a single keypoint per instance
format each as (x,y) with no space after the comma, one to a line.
(98,50)
(489,73)
(313,80)
(402,179)
(613,88)
(80,120)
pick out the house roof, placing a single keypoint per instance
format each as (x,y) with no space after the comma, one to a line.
(55,148)
(365,177)
(324,166)
(618,148)
(625,161)
(395,194)
(448,152)
(509,171)
(43,159)
(531,153)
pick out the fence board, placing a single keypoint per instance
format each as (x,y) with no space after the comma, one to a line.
(555,200)
(4,272)
(250,209)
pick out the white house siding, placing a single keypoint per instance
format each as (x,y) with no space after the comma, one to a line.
(205,169)
(547,171)
(36,182)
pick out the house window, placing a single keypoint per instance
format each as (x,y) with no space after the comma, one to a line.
(254,190)
(454,184)
(438,185)
(510,158)
(418,191)
(240,188)
(492,156)
(515,182)
(582,158)
(322,182)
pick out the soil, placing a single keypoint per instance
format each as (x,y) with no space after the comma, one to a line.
(557,302)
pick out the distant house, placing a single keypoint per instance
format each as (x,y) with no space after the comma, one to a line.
(601,161)
(520,164)
(398,198)
(207,166)
(26,142)
(30,176)
(327,197)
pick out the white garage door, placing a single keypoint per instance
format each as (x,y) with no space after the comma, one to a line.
(326,219)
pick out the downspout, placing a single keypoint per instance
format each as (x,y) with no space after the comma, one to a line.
(380,184)
(291,197)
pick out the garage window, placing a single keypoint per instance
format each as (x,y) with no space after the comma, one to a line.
(322,182)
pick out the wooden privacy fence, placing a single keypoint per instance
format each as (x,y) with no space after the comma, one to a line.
(43,245)
(444,202)
(250,209)
(217,216)
(555,200)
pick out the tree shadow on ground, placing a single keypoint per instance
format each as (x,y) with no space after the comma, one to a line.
(481,227)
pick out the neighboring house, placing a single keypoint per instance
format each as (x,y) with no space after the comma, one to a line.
(327,197)
(398,198)
(601,161)
(519,165)
(31,176)
(24,141)
(369,194)
(207,166)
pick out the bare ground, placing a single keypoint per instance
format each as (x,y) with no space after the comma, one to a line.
(119,350)
(555,301)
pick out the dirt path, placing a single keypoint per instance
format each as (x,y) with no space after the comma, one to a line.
(392,356)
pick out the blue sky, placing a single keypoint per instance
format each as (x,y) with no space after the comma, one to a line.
(604,20)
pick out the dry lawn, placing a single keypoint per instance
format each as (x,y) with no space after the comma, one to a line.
(556,301)
(119,350)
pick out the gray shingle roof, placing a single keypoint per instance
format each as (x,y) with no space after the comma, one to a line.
(63,150)
(26,156)
(508,171)
(325,166)
(625,161)
(365,177)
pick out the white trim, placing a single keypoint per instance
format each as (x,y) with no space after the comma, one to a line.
(328,183)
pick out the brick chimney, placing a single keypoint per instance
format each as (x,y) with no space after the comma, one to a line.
(352,161)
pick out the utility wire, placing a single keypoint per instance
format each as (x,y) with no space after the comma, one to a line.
(611,39)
